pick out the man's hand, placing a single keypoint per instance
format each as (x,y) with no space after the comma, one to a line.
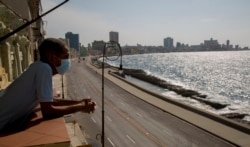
(86,101)
(89,105)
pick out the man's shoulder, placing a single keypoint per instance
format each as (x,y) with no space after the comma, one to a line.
(39,65)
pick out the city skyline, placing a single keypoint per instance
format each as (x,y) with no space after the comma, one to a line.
(148,23)
(174,43)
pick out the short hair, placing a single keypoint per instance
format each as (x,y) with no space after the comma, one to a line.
(51,45)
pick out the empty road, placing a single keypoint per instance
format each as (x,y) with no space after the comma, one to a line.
(129,121)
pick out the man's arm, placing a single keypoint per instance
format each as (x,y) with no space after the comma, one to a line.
(63,102)
(50,110)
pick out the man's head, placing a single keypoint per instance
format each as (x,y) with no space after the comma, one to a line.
(53,51)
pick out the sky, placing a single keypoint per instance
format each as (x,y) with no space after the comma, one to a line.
(148,22)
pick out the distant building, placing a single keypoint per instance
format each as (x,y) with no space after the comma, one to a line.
(114,36)
(73,40)
(228,44)
(211,44)
(97,47)
(168,43)
(178,45)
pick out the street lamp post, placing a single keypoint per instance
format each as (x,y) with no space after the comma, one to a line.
(111,49)
(62,88)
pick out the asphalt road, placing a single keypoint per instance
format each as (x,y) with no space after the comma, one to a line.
(129,121)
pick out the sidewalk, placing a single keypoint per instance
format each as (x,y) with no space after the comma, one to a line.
(57,86)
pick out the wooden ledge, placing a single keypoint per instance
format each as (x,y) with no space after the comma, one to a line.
(39,133)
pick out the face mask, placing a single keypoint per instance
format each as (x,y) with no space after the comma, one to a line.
(65,64)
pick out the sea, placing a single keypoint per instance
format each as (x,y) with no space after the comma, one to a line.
(224,76)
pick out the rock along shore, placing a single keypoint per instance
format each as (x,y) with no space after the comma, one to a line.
(142,75)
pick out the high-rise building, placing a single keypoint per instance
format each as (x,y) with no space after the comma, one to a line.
(73,40)
(114,36)
(212,44)
(169,43)
(228,43)
(97,47)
